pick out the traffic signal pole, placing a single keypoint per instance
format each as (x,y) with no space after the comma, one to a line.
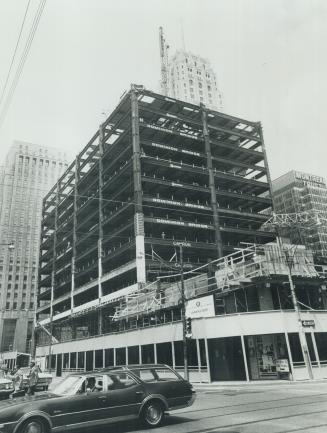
(186,375)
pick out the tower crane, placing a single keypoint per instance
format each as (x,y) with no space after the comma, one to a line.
(164,61)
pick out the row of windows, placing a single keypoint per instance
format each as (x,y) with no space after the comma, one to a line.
(22,306)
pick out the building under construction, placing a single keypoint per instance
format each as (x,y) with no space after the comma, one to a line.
(157,173)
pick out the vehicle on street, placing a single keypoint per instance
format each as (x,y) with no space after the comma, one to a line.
(6,388)
(99,397)
(43,382)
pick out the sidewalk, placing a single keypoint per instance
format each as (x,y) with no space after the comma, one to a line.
(232,385)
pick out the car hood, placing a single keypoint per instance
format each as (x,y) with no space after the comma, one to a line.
(4,404)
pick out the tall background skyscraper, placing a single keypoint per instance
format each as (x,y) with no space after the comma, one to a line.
(29,172)
(188,77)
(295,192)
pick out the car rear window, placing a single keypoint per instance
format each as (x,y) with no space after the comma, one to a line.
(156,374)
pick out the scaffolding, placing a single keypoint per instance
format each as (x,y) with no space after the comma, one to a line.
(230,273)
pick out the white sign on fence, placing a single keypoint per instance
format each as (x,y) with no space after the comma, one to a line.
(200,307)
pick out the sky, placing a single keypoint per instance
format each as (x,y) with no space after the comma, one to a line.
(269,57)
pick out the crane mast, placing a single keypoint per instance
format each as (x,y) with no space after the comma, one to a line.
(164,61)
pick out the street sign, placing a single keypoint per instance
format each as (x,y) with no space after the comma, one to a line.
(308,323)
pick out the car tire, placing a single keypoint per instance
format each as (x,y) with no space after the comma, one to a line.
(153,413)
(33,425)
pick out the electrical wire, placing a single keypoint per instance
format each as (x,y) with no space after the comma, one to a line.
(23,59)
(14,54)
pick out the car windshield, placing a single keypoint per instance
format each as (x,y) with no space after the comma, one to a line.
(68,386)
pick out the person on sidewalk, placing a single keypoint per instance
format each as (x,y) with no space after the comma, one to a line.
(17,377)
(32,378)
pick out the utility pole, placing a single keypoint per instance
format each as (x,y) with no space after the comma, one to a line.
(180,244)
(51,319)
(303,340)
(301,219)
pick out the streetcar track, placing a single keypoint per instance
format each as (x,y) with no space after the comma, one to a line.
(232,426)
(304,428)
(254,402)
(262,409)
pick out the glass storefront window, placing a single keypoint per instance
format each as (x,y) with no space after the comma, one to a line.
(192,355)
(120,356)
(80,360)
(147,354)
(73,360)
(264,352)
(179,359)
(226,359)
(310,347)
(203,356)
(296,349)
(66,360)
(133,355)
(164,353)
(99,359)
(321,342)
(109,357)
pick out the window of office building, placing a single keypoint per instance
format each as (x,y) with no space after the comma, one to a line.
(8,334)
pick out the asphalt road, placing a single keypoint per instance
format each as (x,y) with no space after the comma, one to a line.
(299,407)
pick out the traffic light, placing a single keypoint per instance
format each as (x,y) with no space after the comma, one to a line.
(188,328)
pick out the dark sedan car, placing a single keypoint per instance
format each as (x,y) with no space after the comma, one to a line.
(99,397)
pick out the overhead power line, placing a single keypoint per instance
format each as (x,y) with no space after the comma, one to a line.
(15,52)
(22,62)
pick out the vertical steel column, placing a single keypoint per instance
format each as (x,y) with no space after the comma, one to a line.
(265,159)
(212,186)
(77,178)
(53,273)
(101,137)
(138,216)
(100,240)
(207,356)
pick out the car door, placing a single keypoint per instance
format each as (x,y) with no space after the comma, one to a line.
(84,407)
(124,395)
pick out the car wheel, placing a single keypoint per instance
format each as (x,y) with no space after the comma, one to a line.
(33,425)
(153,413)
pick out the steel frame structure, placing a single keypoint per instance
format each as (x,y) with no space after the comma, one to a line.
(157,171)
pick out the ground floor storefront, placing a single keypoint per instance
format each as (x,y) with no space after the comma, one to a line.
(239,347)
